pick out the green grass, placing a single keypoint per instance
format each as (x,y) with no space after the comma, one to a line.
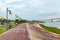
(52,29)
(3,28)
(13,26)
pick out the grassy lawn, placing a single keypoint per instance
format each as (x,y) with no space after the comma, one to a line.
(13,26)
(3,28)
(52,29)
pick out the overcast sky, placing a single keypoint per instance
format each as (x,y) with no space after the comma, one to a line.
(31,9)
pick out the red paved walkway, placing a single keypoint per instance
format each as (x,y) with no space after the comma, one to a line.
(18,33)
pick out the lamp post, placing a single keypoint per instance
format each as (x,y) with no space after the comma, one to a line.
(16,19)
(7,18)
(7,12)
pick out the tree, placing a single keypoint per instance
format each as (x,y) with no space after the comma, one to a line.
(23,21)
(4,20)
(17,21)
(20,21)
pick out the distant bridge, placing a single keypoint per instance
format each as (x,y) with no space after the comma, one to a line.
(52,19)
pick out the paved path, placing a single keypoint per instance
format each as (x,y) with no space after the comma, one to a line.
(27,31)
(18,33)
(36,34)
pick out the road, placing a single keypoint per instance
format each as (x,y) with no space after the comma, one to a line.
(26,31)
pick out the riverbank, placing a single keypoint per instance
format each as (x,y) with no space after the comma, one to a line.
(51,29)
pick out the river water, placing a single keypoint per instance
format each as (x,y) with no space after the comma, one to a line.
(52,24)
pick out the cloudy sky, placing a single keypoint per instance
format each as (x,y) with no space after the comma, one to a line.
(31,9)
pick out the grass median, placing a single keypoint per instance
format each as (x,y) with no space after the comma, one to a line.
(3,28)
(51,29)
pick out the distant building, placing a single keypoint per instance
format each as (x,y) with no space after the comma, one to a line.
(1,17)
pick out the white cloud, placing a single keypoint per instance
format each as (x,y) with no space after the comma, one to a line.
(11,1)
(5,4)
(2,6)
(16,6)
(35,3)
